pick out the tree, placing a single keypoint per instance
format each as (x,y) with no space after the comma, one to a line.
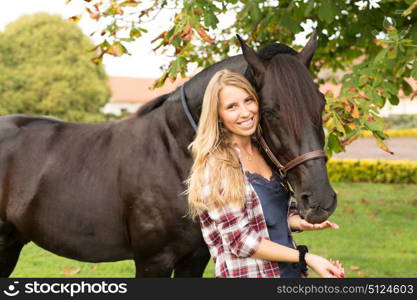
(46,70)
(373,42)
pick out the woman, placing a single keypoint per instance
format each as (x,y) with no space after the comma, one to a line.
(231,187)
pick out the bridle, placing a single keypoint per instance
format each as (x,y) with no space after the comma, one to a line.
(282,168)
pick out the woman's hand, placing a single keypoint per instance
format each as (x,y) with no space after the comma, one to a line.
(304,225)
(296,223)
(325,268)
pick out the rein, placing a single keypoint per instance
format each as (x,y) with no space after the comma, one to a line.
(283,169)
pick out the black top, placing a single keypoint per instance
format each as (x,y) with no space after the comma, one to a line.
(275,200)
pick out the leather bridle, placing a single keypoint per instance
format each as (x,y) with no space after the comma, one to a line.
(282,168)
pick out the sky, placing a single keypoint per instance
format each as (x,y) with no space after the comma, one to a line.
(142,63)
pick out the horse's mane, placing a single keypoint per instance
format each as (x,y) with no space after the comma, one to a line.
(298,95)
(273,49)
(150,106)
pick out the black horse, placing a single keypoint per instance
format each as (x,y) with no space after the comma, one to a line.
(111,191)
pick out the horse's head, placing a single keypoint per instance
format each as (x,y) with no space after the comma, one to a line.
(291,119)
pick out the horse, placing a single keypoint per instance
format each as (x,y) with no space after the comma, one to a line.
(114,191)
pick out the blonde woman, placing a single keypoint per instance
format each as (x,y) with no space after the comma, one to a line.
(231,187)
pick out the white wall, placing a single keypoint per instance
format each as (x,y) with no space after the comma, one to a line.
(118,108)
(406,106)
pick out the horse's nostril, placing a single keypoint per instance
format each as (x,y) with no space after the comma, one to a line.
(305,199)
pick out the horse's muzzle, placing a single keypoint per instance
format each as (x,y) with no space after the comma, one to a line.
(319,213)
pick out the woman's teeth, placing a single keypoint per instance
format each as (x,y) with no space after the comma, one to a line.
(247,124)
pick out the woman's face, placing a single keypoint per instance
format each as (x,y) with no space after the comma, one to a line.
(238,111)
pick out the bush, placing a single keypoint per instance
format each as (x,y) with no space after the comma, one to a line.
(47,70)
(368,170)
(394,133)
(400,122)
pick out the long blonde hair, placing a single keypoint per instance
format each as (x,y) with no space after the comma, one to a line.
(216,176)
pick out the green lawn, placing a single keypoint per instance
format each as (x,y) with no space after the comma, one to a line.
(377,238)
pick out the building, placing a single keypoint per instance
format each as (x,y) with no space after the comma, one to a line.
(129,93)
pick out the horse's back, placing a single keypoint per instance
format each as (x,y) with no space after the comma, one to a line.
(58,186)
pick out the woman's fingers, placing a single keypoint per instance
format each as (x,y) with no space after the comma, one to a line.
(340,270)
(333,225)
(304,225)
(336,271)
(326,224)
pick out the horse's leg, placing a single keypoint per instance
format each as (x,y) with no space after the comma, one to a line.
(159,265)
(10,248)
(193,264)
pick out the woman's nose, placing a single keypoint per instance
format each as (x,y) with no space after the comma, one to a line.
(244,111)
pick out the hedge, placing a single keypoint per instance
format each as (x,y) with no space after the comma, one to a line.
(369,170)
(394,133)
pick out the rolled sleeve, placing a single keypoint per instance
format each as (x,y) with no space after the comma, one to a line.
(236,232)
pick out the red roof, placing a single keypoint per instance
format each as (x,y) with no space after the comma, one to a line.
(130,89)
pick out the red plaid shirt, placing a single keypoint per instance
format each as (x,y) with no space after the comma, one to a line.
(233,235)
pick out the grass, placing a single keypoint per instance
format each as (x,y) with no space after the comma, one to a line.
(377,238)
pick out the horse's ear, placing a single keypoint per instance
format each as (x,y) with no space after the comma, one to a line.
(307,53)
(256,64)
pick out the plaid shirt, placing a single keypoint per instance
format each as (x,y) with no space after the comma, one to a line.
(233,235)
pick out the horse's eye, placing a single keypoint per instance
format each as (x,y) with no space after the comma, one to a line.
(269,114)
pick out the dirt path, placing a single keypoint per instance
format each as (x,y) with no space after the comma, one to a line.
(404,148)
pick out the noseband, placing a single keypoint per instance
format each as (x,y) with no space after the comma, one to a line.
(283,169)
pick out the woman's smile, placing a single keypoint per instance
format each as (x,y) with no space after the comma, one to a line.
(247,124)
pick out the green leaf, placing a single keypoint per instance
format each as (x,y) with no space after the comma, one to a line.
(172,71)
(327,11)
(309,8)
(289,23)
(392,52)
(135,33)
(338,123)
(390,88)
(394,100)
(376,125)
(210,20)
(382,145)
(414,70)
(254,11)
(333,144)
(407,89)
(381,56)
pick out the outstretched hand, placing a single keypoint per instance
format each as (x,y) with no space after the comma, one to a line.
(304,225)
(296,223)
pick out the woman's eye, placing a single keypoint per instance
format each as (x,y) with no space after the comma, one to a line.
(231,106)
(247,100)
